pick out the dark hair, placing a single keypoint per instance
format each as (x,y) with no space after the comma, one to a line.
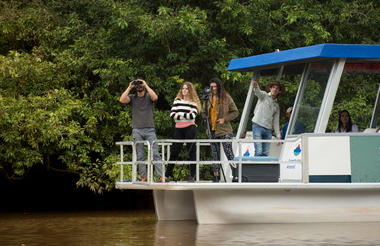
(220,88)
(349,124)
(221,92)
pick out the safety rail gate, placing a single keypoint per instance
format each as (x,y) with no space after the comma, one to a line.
(165,145)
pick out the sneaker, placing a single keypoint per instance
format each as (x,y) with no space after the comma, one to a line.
(161,179)
(190,179)
(143,179)
(235,179)
(216,179)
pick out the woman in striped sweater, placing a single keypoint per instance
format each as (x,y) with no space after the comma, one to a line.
(185,108)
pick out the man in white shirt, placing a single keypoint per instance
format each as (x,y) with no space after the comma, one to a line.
(266,115)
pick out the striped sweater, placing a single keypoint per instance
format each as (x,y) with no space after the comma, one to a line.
(180,111)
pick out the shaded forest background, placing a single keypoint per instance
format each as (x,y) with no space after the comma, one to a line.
(65,63)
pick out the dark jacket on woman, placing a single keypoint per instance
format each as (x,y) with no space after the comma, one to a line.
(226,110)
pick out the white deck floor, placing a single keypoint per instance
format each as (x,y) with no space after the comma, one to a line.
(246,186)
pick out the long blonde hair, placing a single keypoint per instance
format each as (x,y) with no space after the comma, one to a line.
(193,96)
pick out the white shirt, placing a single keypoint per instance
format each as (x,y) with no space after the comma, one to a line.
(354,128)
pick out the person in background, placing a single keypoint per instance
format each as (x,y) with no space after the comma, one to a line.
(298,128)
(345,123)
(221,110)
(185,108)
(142,104)
(266,115)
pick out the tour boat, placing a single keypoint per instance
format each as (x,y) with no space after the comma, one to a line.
(315,176)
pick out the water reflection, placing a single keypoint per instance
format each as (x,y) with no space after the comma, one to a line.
(141,228)
(78,228)
(290,234)
(189,233)
(175,233)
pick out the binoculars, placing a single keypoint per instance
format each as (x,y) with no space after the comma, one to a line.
(137,82)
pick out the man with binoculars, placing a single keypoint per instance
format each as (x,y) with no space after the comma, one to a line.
(142,104)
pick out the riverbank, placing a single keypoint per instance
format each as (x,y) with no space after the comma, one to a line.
(44,190)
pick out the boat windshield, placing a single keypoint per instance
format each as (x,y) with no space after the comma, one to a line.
(311,92)
(357,93)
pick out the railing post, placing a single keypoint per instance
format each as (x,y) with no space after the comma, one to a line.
(122,165)
(197,164)
(149,162)
(134,166)
(240,171)
(221,170)
(163,160)
(168,151)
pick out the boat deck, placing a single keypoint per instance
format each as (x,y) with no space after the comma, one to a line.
(246,186)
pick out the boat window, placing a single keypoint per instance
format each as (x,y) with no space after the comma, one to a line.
(290,78)
(357,93)
(311,93)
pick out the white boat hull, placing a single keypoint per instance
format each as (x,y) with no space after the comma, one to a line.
(285,206)
(268,203)
(174,205)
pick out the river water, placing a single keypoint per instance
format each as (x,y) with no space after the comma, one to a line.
(141,228)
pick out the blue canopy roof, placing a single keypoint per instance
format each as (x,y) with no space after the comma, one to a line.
(304,54)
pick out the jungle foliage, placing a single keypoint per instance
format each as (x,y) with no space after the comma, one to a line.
(65,63)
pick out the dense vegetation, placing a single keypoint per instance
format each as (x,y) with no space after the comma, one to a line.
(65,63)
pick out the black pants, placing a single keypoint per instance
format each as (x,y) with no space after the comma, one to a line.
(227,147)
(189,132)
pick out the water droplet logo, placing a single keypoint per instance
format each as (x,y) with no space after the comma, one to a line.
(297,150)
(246,154)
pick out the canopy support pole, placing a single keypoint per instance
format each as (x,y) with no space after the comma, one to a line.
(247,107)
(376,110)
(328,98)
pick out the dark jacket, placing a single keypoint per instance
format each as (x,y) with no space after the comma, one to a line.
(228,111)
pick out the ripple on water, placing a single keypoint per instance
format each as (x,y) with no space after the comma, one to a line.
(141,228)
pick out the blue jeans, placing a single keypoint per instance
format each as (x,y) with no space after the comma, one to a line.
(149,134)
(259,132)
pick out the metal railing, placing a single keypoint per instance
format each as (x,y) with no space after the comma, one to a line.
(165,146)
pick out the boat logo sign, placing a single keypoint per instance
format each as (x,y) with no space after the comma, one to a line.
(297,150)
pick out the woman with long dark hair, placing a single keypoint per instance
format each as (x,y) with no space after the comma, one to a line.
(345,123)
(221,110)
